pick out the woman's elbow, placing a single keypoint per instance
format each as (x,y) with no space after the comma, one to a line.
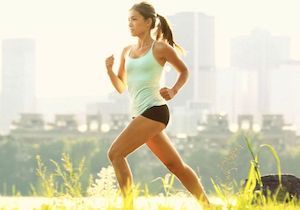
(121,91)
(186,72)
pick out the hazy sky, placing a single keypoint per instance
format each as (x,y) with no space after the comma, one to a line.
(74,37)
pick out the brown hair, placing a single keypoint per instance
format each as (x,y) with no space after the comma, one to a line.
(164,32)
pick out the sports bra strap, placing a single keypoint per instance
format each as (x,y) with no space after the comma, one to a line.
(129,50)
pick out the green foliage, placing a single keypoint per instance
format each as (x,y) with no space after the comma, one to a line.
(105,187)
(17,161)
(248,195)
(47,180)
(69,175)
(167,182)
(254,175)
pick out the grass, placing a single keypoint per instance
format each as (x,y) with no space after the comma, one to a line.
(103,193)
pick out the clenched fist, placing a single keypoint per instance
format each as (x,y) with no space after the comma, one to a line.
(109,62)
(167,93)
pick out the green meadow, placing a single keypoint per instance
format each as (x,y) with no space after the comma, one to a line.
(60,187)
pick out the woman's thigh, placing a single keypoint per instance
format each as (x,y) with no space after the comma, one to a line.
(138,132)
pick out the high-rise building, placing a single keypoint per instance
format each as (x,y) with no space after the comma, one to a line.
(236,93)
(284,83)
(194,31)
(18,80)
(260,52)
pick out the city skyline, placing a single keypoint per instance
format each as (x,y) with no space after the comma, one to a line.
(72,44)
(18,79)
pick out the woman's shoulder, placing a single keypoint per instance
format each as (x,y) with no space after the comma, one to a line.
(125,50)
(161,45)
(161,48)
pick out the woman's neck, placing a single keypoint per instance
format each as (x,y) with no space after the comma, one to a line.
(144,41)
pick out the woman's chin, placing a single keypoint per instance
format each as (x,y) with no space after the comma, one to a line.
(132,32)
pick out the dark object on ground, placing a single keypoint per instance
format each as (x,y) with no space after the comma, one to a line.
(290,185)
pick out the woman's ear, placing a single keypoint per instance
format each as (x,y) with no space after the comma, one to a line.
(149,22)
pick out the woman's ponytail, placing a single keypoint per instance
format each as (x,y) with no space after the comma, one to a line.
(164,32)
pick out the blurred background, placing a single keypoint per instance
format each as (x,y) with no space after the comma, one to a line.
(55,96)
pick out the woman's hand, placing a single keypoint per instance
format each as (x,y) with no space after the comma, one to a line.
(109,62)
(167,93)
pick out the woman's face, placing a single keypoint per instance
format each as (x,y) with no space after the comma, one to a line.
(137,24)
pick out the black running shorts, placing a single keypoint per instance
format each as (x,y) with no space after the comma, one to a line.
(158,113)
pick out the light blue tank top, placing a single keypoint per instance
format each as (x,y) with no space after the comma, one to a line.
(143,81)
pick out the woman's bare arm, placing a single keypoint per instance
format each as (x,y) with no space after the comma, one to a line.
(171,57)
(119,80)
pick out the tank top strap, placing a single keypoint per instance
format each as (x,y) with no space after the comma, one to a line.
(152,44)
(128,51)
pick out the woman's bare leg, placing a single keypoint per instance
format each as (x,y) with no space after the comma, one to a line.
(138,132)
(162,147)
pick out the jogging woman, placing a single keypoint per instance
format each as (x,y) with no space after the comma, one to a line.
(140,70)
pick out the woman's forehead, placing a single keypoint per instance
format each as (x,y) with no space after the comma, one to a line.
(134,13)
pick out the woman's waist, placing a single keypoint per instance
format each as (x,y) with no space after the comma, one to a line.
(145,105)
(136,91)
(149,98)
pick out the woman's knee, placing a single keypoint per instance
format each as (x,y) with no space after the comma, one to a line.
(113,154)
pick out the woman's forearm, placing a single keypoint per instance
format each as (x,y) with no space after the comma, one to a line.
(183,76)
(116,81)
